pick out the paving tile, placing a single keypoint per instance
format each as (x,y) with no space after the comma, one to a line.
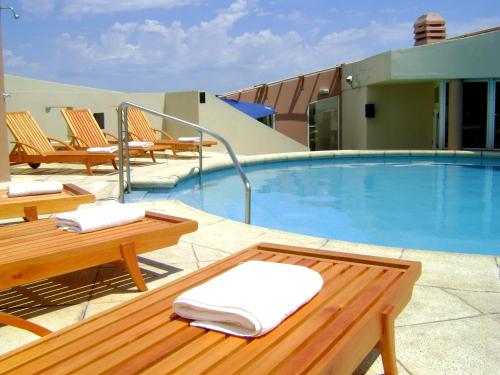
(463,346)
(362,249)
(486,302)
(53,318)
(457,271)
(430,304)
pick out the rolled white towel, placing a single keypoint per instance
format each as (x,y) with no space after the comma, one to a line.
(189,139)
(250,299)
(140,144)
(96,218)
(103,150)
(33,188)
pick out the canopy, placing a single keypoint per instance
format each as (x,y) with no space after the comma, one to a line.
(255,110)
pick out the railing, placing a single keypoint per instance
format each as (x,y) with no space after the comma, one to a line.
(123,134)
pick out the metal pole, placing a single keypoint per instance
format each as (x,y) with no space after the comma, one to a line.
(200,154)
(201,129)
(127,151)
(121,196)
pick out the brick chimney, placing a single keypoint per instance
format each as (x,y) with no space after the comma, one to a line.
(429,28)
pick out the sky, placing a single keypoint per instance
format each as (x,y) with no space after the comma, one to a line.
(213,45)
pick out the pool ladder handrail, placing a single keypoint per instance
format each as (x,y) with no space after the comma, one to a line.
(123,134)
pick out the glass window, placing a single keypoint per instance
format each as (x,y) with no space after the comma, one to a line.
(475,114)
(324,124)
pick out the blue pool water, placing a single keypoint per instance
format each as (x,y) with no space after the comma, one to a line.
(447,204)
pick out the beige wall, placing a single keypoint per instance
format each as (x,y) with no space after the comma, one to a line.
(353,124)
(45,100)
(246,135)
(403,116)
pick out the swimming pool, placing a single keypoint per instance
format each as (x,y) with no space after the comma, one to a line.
(433,203)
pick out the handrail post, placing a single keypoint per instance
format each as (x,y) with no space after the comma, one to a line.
(123,112)
(200,154)
(121,197)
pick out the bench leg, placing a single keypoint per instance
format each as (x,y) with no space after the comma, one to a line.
(23,324)
(152,154)
(30,213)
(387,344)
(130,259)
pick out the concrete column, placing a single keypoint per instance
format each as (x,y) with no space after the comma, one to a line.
(4,144)
(455,110)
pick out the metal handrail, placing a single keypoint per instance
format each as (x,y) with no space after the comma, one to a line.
(123,118)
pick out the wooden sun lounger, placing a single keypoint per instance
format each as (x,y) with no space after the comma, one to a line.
(37,250)
(140,129)
(353,313)
(87,133)
(31,206)
(32,146)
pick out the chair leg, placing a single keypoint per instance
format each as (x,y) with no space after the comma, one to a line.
(387,345)
(30,213)
(113,162)
(152,156)
(129,257)
(23,324)
(89,169)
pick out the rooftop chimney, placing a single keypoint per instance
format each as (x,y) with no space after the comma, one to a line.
(429,28)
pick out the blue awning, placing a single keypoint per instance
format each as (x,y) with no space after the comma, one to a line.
(254,110)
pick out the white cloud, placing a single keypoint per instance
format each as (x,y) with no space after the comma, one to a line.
(15,61)
(38,8)
(78,8)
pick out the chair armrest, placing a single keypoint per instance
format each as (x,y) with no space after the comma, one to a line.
(23,324)
(21,145)
(113,137)
(77,141)
(164,133)
(66,146)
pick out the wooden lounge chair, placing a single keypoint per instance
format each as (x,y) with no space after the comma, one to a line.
(353,313)
(38,249)
(140,129)
(32,146)
(31,206)
(87,133)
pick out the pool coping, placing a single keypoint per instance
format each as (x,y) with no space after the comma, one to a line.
(246,160)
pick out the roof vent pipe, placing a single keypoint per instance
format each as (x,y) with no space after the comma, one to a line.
(429,28)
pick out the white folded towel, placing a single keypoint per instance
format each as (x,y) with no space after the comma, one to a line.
(96,218)
(103,150)
(140,144)
(250,299)
(33,188)
(189,139)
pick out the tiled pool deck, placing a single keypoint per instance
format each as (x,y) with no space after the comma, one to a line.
(451,326)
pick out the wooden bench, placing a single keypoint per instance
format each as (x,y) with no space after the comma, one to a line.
(31,206)
(38,249)
(353,313)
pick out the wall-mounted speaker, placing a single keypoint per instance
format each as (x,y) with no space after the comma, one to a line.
(202,97)
(369,110)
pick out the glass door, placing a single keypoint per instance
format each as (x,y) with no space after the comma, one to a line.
(475,114)
(323,124)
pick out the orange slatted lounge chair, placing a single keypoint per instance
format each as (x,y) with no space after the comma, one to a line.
(32,146)
(353,313)
(31,206)
(87,133)
(140,129)
(38,249)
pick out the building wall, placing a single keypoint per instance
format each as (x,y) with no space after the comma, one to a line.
(353,128)
(403,116)
(246,135)
(291,97)
(46,99)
